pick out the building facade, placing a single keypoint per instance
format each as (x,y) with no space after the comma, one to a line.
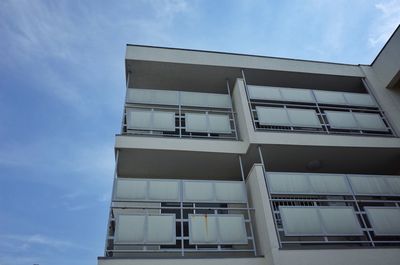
(238,159)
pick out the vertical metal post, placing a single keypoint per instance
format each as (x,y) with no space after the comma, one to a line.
(248,99)
(353,195)
(111,200)
(128,78)
(180,114)
(253,240)
(208,124)
(194,212)
(181,208)
(232,111)
(218,234)
(371,92)
(152,120)
(269,196)
(325,126)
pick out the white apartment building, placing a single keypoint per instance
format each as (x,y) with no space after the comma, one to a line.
(239,159)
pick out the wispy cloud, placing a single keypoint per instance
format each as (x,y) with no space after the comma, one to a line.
(18,260)
(168,9)
(388,20)
(81,200)
(37,35)
(25,242)
(19,249)
(52,160)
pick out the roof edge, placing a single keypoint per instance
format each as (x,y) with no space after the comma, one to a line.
(238,54)
(384,46)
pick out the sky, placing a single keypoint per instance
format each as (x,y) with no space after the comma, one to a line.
(62,90)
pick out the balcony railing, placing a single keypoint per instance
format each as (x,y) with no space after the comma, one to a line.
(331,210)
(175,218)
(179,114)
(316,111)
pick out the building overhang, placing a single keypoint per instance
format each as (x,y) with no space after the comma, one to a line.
(180,69)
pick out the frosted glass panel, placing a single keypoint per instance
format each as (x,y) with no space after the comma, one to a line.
(230,191)
(232,229)
(198,191)
(369,185)
(135,95)
(300,221)
(152,96)
(329,184)
(341,120)
(139,119)
(161,229)
(284,183)
(130,229)
(394,184)
(264,92)
(127,189)
(196,122)
(272,116)
(330,97)
(165,97)
(198,99)
(219,101)
(297,95)
(384,221)
(369,121)
(164,121)
(359,99)
(164,190)
(219,123)
(203,229)
(340,221)
(193,99)
(171,97)
(304,118)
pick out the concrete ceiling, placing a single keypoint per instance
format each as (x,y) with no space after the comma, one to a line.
(177,164)
(332,159)
(204,78)
(203,165)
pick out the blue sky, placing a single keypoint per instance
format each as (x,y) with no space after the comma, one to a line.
(62,89)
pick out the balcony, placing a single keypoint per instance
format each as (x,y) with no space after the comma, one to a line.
(179,218)
(179,114)
(313,210)
(287,109)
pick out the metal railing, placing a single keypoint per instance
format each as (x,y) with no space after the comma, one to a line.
(320,110)
(180,130)
(223,200)
(357,202)
(182,246)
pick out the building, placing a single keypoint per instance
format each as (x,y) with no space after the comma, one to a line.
(239,159)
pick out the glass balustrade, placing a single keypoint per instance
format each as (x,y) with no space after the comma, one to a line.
(179,217)
(316,111)
(335,210)
(179,114)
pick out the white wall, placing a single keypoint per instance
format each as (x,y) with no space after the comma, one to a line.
(156,54)
(219,261)
(388,99)
(268,242)
(387,64)
(312,139)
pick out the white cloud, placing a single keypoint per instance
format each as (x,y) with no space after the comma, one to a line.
(18,260)
(74,53)
(52,160)
(168,9)
(22,249)
(388,20)
(27,241)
